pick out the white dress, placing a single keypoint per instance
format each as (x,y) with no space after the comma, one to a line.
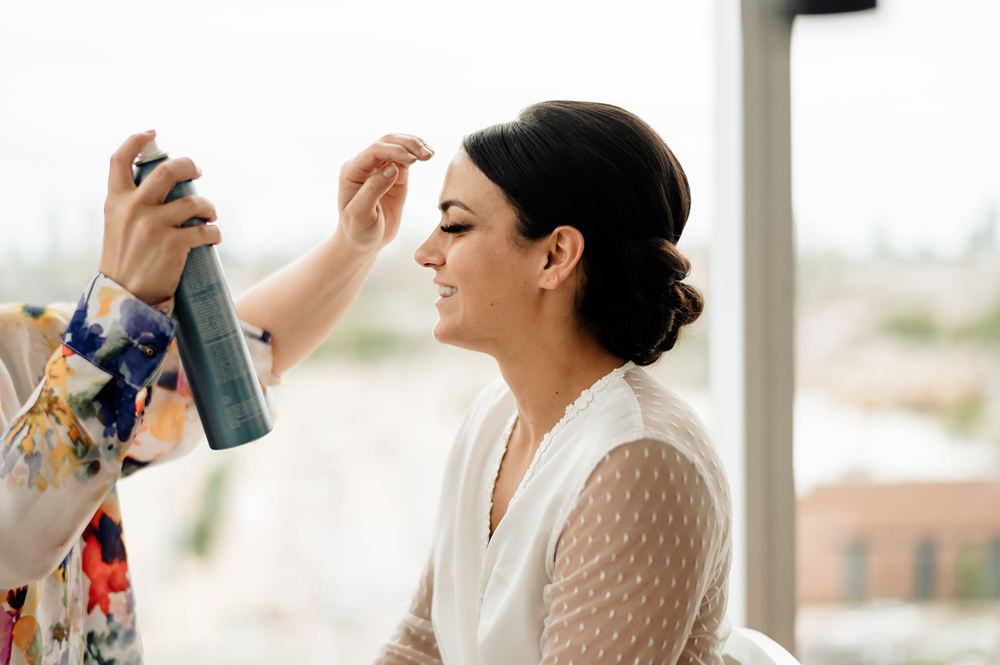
(616,546)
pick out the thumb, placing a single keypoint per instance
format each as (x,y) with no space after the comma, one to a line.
(374,189)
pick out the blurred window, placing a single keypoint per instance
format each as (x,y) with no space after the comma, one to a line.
(925,571)
(992,581)
(856,560)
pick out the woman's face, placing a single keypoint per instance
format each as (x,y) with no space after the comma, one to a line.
(486,280)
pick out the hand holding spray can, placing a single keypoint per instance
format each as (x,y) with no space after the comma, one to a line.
(210,339)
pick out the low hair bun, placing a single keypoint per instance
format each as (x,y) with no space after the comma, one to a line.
(639,315)
(688,306)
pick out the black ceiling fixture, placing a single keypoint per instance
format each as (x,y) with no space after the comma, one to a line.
(796,7)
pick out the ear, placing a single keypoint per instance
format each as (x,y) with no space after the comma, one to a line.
(564,248)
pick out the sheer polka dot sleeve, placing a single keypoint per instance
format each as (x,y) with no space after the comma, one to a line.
(640,566)
(413,641)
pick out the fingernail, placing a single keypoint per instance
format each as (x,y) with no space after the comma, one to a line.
(150,131)
(390,171)
(427,150)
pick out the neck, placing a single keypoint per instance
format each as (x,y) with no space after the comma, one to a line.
(548,377)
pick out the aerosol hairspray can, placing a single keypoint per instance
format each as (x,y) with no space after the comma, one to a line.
(210,339)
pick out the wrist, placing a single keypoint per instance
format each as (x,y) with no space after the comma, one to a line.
(346,249)
(149,292)
(166,307)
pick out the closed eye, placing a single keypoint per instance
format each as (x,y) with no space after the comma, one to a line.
(455,228)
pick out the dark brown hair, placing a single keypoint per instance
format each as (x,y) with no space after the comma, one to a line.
(605,172)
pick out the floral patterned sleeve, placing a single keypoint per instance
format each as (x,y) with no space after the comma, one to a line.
(87,395)
(63,451)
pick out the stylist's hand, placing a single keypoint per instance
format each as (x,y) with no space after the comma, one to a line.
(144,247)
(373,188)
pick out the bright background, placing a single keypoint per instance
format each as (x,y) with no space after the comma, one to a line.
(305,546)
(270,101)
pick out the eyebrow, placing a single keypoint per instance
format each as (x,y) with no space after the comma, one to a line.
(458,204)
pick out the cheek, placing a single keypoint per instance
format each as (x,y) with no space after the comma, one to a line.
(492,274)
(507,285)
(477,268)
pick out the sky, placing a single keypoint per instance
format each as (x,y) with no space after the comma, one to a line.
(270,102)
(895,137)
(894,132)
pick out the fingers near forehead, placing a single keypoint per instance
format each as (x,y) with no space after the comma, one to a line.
(414,144)
(120,176)
(381,152)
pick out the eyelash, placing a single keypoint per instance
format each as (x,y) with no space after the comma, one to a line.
(454,228)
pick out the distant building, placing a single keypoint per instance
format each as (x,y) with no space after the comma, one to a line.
(910,542)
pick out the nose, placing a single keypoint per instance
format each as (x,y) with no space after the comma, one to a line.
(429,254)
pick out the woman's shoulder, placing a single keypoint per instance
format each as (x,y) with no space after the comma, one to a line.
(660,424)
(631,404)
(663,413)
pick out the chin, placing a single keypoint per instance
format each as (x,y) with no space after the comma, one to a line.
(441,334)
(451,337)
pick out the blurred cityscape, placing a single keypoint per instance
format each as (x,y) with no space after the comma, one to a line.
(898,532)
(306,545)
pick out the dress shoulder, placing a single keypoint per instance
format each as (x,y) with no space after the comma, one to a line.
(667,418)
(662,409)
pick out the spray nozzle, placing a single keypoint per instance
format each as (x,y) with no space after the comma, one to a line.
(150,153)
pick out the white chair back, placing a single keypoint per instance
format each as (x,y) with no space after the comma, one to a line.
(746,646)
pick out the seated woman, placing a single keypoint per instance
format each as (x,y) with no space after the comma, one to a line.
(82,404)
(584,517)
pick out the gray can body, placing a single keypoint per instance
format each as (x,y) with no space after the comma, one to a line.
(210,339)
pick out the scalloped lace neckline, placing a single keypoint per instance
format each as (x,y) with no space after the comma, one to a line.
(574,409)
